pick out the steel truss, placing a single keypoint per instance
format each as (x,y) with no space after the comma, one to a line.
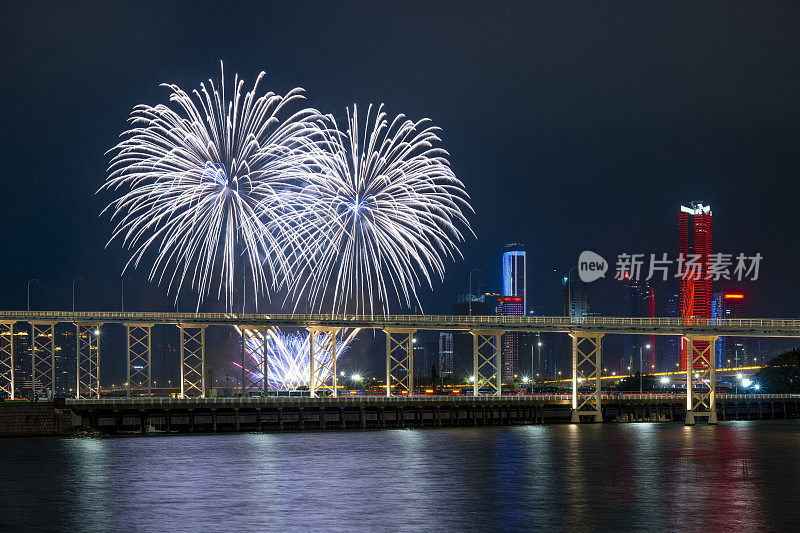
(139,356)
(486,362)
(586,365)
(323,360)
(254,365)
(399,360)
(7,358)
(87,352)
(700,361)
(43,357)
(193,360)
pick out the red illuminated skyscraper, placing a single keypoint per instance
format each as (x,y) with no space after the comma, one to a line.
(694,247)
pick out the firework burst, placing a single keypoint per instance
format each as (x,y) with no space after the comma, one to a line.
(203,183)
(377,215)
(288,361)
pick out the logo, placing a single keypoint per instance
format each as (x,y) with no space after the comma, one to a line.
(591,266)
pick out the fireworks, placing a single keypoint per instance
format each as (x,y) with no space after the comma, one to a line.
(379,215)
(288,363)
(203,179)
(347,221)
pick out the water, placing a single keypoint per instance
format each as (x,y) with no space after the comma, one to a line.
(738,475)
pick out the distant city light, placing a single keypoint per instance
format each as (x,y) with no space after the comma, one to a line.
(664,380)
(356,377)
(757,386)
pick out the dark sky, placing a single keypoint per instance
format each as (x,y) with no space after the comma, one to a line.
(580,125)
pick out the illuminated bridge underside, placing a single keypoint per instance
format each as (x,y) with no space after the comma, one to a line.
(752,327)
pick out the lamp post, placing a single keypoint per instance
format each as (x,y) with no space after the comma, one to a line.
(469,295)
(122,300)
(74,281)
(29,291)
(569,292)
(640,366)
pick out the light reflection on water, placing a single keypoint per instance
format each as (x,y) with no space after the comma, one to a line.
(740,475)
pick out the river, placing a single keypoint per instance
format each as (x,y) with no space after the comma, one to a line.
(600,477)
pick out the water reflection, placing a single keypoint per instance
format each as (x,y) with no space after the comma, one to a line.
(739,475)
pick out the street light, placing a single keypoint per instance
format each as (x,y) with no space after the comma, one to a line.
(470,289)
(122,283)
(29,291)
(74,281)
(640,366)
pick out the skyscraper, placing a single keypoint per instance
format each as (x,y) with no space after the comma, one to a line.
(513,303)
(446,353)
(640,302)
(694,248)
(671,350)
(515,273)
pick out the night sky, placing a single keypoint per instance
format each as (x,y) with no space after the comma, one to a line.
(573,127)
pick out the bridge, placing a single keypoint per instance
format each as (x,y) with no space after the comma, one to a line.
(586,333)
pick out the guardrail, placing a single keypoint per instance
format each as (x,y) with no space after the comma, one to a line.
(288,400)
(665,326)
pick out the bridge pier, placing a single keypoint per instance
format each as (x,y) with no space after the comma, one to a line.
(87,359)
(7,386)
(399,360)
(138,349)
(193,360)
(254,360)
(700,360)
(323,360)
(586,365)
(43,358)
(486,362)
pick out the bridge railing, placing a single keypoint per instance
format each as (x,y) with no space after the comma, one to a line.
(456,320)
(289,400)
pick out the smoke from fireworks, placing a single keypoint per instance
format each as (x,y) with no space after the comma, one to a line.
(378,216)
(203,178)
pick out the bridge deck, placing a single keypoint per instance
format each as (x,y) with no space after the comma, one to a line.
(756,327)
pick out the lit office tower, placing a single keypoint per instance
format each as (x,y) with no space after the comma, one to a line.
(514,303)
(694,247)
(639,302)
(515,273)
(446,353)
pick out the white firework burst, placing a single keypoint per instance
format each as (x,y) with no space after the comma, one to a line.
(378,214)
(288,361)
(202,179)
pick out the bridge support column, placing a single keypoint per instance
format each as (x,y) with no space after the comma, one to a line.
(399,361)
(322,345)
(43,359)
(87,360)
(7,359)
(193,360)
(700,362)
(139,356)
(254,360)
(486,362)
(586,365)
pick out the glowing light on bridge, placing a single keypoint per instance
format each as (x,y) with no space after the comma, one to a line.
(288,361)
